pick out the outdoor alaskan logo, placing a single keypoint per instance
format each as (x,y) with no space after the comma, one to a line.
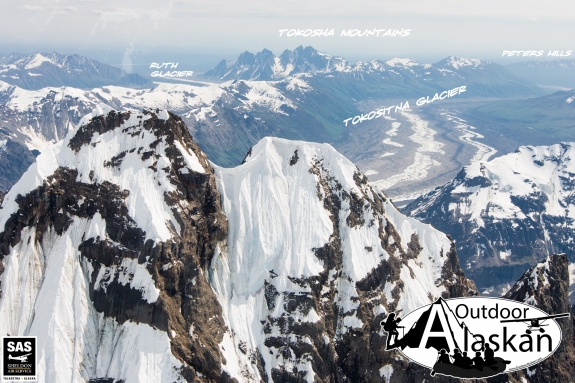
(18,358)
(474,337)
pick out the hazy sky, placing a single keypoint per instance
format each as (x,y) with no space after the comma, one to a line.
(137,32)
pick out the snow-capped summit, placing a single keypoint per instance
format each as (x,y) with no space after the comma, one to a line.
(401,62)
(458,62)
(316,258)
(120,253)
(265,65)
(103,242)
(34,61)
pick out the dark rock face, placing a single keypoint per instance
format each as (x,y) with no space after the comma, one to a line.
(359,354)
(546,286)
(185,298)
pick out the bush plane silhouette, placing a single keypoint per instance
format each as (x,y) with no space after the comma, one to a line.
(535,323)
(21,358)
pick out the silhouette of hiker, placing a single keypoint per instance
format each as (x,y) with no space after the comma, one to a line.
(489,355)
(391,326)
(466,361)
(443,357)
(457,358)
(478,361)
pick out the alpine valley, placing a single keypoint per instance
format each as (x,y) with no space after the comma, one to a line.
(134,259)
(301,95)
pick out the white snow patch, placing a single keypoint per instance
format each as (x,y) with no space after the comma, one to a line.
(37,60)
(388,141)
(190,157)
(386,372)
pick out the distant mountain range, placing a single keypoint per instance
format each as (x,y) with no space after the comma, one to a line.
(395,77)
(553,74)
(230,117)
(40,70)
(226,118)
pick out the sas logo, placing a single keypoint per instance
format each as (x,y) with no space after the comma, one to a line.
(19,358)
(474,337)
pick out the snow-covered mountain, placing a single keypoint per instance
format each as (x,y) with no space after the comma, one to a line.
(546,286)
(507,213)
(37,118)
(266,66)
(133,259)
(40,70)
(490,79)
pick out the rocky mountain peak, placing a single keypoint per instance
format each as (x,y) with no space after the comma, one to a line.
(120,220)
(318,258)
(124,248)
(546,286)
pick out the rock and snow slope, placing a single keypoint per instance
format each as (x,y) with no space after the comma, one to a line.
(41,117)
(226,118)
(507,213)
(546,286)
(316,258)
(102,245)
(121,255)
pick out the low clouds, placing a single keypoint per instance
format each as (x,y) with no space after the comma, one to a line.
(32,8)
(120,16)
